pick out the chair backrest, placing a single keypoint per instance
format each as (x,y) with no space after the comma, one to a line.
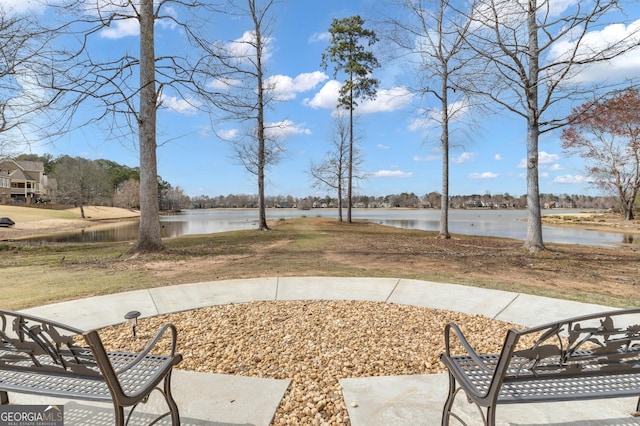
(36,344)
(605,342)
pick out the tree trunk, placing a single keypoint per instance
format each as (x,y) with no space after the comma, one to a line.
(444,139)
(340,174)
(262,221)
(533,239)
(629,215)
(149,236)
(350,165)
(628,207)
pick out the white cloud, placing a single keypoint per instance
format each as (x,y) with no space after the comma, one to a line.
(227,134)
(573,179)
(204,131)
(625,66)
(498,157)
(544,159)
(319,37)
(484,175)
(285,129)
(181,106)
(381,146)
(426,158)
(386,99)
(327,97)
(420,123)
(168,23)
(556,167)
(285,88)
(223,83)
(433,117)
(121,28)
(243,48)
(391,174)
(21,6)
(557,7)
(465,157)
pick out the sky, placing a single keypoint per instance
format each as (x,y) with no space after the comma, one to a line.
(400,152)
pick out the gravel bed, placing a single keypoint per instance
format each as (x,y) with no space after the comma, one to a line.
(313,344)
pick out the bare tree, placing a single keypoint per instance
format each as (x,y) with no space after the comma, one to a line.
(432,34)
(247,96)
(332,172)
(525,73)
(175,199)
(22,55)
(80,181)
(126,102)
(127,195)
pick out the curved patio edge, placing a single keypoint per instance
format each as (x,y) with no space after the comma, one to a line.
(519,308)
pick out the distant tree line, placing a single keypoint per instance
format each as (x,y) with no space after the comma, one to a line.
(408,200)
(83,182)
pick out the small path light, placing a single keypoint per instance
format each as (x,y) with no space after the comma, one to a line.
(132,319)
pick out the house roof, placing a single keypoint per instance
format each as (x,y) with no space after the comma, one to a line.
(20,175)
(31,165)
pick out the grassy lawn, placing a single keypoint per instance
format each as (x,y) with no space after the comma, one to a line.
(33,274)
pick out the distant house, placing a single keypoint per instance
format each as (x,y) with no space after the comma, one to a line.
(24,182)
(5,187)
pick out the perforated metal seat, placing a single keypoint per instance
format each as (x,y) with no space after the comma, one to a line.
(42,357)
(581,358)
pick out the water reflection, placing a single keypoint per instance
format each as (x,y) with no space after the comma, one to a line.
(499,223)
(117,232)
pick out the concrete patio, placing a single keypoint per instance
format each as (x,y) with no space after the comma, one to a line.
(214,399)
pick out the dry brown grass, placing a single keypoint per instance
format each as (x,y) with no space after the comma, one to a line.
(34,274)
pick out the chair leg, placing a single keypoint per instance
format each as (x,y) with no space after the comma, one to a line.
(446,411)
(4,398)
(119,413)
(173,407)
(491,415)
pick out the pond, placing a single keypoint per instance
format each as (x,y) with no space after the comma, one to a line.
(496,223)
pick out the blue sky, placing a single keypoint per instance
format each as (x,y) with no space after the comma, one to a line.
(398,155)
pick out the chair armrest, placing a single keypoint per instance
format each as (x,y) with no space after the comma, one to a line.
(452,327)
(152,343)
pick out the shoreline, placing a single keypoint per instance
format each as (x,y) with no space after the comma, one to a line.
(603,222)
(40,222)
(34,222)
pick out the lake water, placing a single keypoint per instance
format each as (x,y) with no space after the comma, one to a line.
(497,223)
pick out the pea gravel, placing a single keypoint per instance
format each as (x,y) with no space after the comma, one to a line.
(313,344)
